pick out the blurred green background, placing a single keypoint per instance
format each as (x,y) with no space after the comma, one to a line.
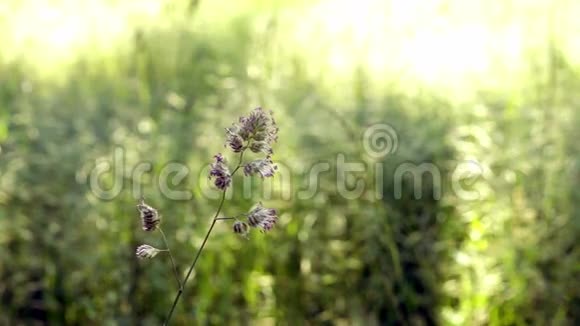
(497,82)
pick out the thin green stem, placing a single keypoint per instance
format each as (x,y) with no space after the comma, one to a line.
(231,218)
(213,222)
(180,291)
(171,258)
(239,162)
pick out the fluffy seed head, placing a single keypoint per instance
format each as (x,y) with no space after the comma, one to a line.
(234,140)
(261,146)
(262,218)
(149,216)
(146,251)
(259,126)
(221,172)
(241,228)
(264,167)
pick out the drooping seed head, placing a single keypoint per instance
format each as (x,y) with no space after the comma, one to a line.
(234,140)
(241,228)
(149,216)
(264,167)
(146,251)
(262,218)
(221,172)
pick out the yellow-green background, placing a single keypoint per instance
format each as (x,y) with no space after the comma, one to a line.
(493,81)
